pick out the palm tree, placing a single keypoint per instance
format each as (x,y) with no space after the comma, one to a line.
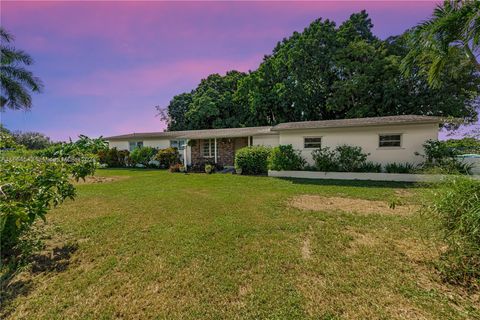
(16,82)
(450,38)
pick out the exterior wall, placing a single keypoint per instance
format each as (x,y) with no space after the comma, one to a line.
(268,140)
(413,136)
(155,143)
(120,145)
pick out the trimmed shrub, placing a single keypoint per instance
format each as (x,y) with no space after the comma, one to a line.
(167,157)
(284,157)
(400,167)
(142,155)
(252,160)
(455,204)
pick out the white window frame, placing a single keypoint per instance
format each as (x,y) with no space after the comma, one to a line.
(181,144)
(390,134)
(137,144)
(312,137)
(211,148)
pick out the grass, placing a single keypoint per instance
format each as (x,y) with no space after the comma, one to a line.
(157,245)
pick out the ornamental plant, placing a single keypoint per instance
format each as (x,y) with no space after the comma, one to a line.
(142,155)
(167,157)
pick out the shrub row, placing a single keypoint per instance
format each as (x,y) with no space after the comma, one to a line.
(344,158)
(140,157)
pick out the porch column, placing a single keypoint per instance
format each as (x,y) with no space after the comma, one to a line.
(248,138)
(185,155)
(215,150)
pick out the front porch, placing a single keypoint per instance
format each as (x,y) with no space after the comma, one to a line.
(217,151)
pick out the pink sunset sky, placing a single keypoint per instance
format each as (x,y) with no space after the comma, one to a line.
(106,65)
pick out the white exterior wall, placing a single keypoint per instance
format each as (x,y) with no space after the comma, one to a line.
(270,140)
(413,137)
(120,145)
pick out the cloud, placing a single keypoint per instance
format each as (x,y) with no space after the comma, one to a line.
(149,79)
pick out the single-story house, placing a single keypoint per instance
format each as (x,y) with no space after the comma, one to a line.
(386,139)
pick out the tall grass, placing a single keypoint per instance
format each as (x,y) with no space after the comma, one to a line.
(456,205)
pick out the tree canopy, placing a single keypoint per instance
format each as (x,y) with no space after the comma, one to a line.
(327,72)
(452,34)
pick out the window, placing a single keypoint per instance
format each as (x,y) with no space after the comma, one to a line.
(312,142)
(390,140)
(179,144)
(132,145)
(208,148)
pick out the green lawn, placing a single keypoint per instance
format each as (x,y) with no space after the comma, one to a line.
(153,244)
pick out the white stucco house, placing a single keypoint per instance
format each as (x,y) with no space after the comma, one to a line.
(386,139)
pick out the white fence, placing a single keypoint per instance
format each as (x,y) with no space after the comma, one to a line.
(399,177)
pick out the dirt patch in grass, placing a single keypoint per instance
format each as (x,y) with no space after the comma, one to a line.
(98,179)
(319,203)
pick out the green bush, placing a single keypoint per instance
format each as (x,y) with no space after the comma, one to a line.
(343,158)
(441,158)
(350,158)
(325,160)
(7,142)
(113,157)
(284,157)
(252,160)
(167,157)
(142,155)
(400,168)
(455,204)
(29,187)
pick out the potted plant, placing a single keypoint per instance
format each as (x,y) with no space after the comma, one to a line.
(208,168)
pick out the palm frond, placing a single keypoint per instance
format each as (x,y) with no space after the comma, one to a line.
(23,76)
(5,36)
(16,95)
(10,55)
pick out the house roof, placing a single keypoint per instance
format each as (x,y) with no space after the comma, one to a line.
(198,134)
(357,122)
(252,131)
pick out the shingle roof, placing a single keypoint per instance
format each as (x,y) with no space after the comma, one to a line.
(198,134)
(357,122)
(252,131)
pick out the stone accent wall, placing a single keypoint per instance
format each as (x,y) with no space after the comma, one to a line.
(225,151)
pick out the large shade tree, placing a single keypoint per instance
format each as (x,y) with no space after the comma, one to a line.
(329,72)
(16,82)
